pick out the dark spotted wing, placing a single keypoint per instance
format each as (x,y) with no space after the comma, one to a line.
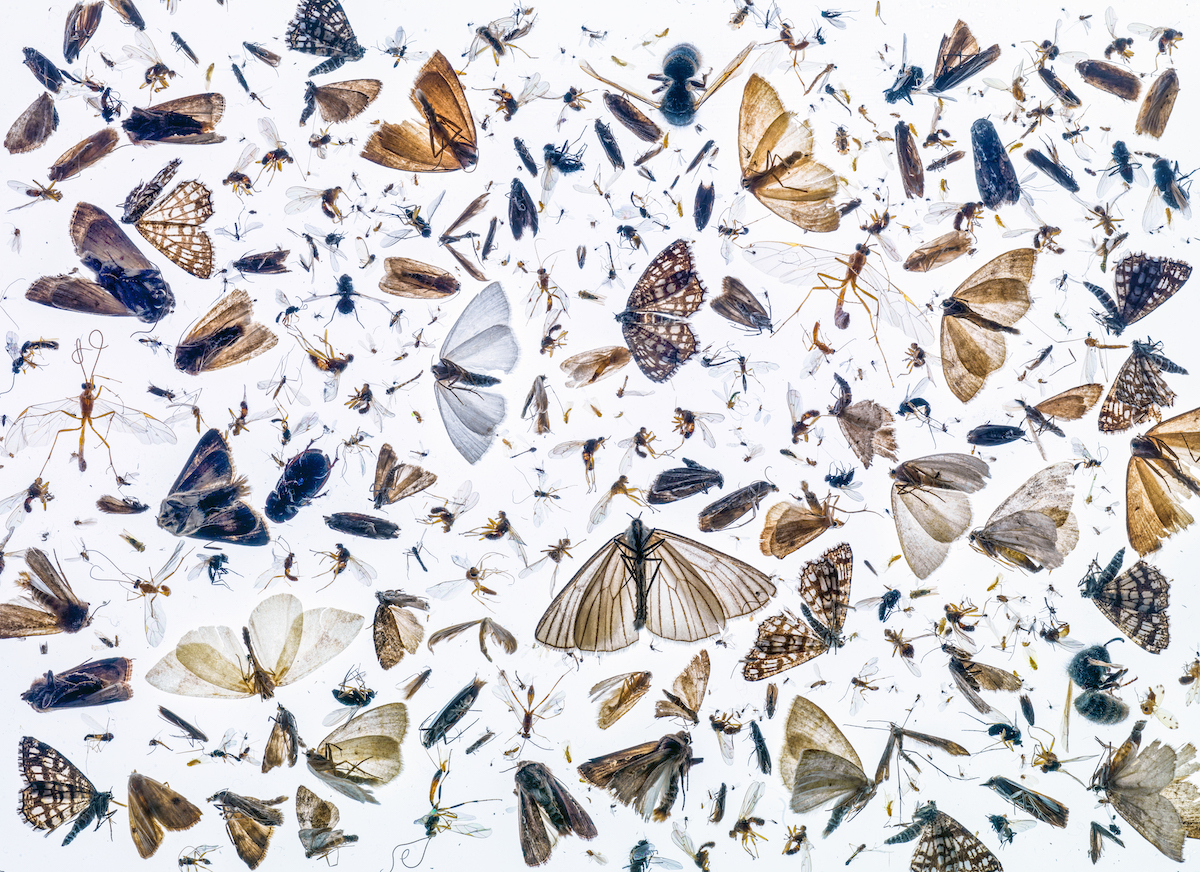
(56,791)
(1144,283)
(945,846)
(825,589)
(141,198)
(173,227)
(320,27)
(670,285)
(659,345)
(784,641)
(1138,390)
(1136,604)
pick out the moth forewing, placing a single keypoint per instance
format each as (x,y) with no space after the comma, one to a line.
(153,807)
(624,691)
(1034,528)
(647,776)
(542,800)
(930,506)
(405,277)
(363,753)
(53,606)
(226,336)
(686,696)
(791,525)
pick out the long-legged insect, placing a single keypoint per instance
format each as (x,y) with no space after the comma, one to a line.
(35,425)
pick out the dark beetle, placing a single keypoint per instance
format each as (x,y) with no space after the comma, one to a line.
(302,479)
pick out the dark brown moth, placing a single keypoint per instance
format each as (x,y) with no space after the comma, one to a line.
(1156,109)
(56,791)
(395,480)
(52,606)
(912,173)
(186,121)
(731,508)
(940,251)
(83,154)
(397,630)
(1163,472)
(959,58)
(249,823)
(633,119)
(95,682)
(153,807)
(738,304)
(405,277)
(971,677)
(544,800)
(82,21)
(283,743)
(226,336)
(33,126)
(1111,78)
(443,141)
(339,101)
(646,777)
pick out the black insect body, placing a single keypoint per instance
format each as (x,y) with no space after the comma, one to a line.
(679,67)
(301,481)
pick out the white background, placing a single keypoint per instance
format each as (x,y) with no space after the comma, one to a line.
(865,54)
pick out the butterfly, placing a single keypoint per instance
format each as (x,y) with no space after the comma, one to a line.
(652,323)
(362,753)
(866,425)
(249,823)
(479,339)
(56,791)
(930,506)
(945,845)
(444,142)
(206,500)
(543,799)
(626,689)
(1034,528)
(280,644)
(339,101)
(396,629)
(978,314)
(172,226)
(674,587)
(1135,602)
(96,682)
(686,695)
(320,27)
(126,283)
(224,337)
(818,765)
(959,58)
(1134,783)
(1162,472)
(317,818)
(54,607)
(283,743)
(186,121)
(1139,389)
(153,806)
(1141,284)
(647,776)
(777,164)
(783,640)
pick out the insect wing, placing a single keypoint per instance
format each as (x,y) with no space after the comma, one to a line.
(1156,484)
(205,502)
(55,791)
(396,630)
(283,743)
(1144,283)
(644,776)
(1135,602)
(959,58)
(341,101)
(96,682)
(1134,785)
(225,336)
(1155,111)
(173,227)
(930,506)
(186,121)
(946,845)
(317,818)
(33,126)
(154,806)
(405,277)
(784,641)
(626,689)
(365,751)
(543,800)
(1047,493)
(55,608)
(689,689)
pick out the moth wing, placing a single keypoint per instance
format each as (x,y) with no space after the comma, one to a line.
(406,147)
(294,643)
(76,294)
(1045,491)
(153,806)
(1152,815)
(471,418)
(761,112)
(1182,431)
(822,777)
(17,620)
(945,844)
(594,611)
(188,247)
(626,688)
(690,686)
(438,81)
(207,662)
(97,236)
(1072,404)
(1186,798)
(697,588)
(209,465)
(249,837)
(370,743)
(341,101)
(784,641)
(970,353)
(395,632)
(808,727)
(33,127)
(312,812)
(1153,508)
(481,337)
(788,527)
(232,318)
(535,840)
(999,290)
(405,277)
(927,521)
(867,426)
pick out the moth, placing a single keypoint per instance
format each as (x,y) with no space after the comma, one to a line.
(339,101)
(912,173)
(783,640)
(819,765)
(738,304)
(930,505)
(1141,284)
(404,277)
(646,777)
(589,367)
(1155,110)
(396,629)
(283,743)
(729,509)
(1139,390)
(317,819)
(623,691)
(359,524)
(1133,782)
(1111,78)
(95,682)
(1070,405)
(544,800)
(126,283)
(153,807)
(653,322)
(978,314)
(1163,471)
(82,155)
(488,628)
(682,482)
(249,823)
(994,174)
(207,501)
(56,791)
(320,27)
(444,141)
(866,425)
(959,58)
(1034,528)
(790,525)
(33,126)
(679,104)
(52,606)
(82,23)
(395,480)
(280,644)
(186,121)
(172,224)
(1135,601)
(522,210)
(777,163)
(945,844)
(971,677)
(686,695)
(480,339)
(226,336)
(437,728)
(362,753)
(1042,807)
(644,578)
